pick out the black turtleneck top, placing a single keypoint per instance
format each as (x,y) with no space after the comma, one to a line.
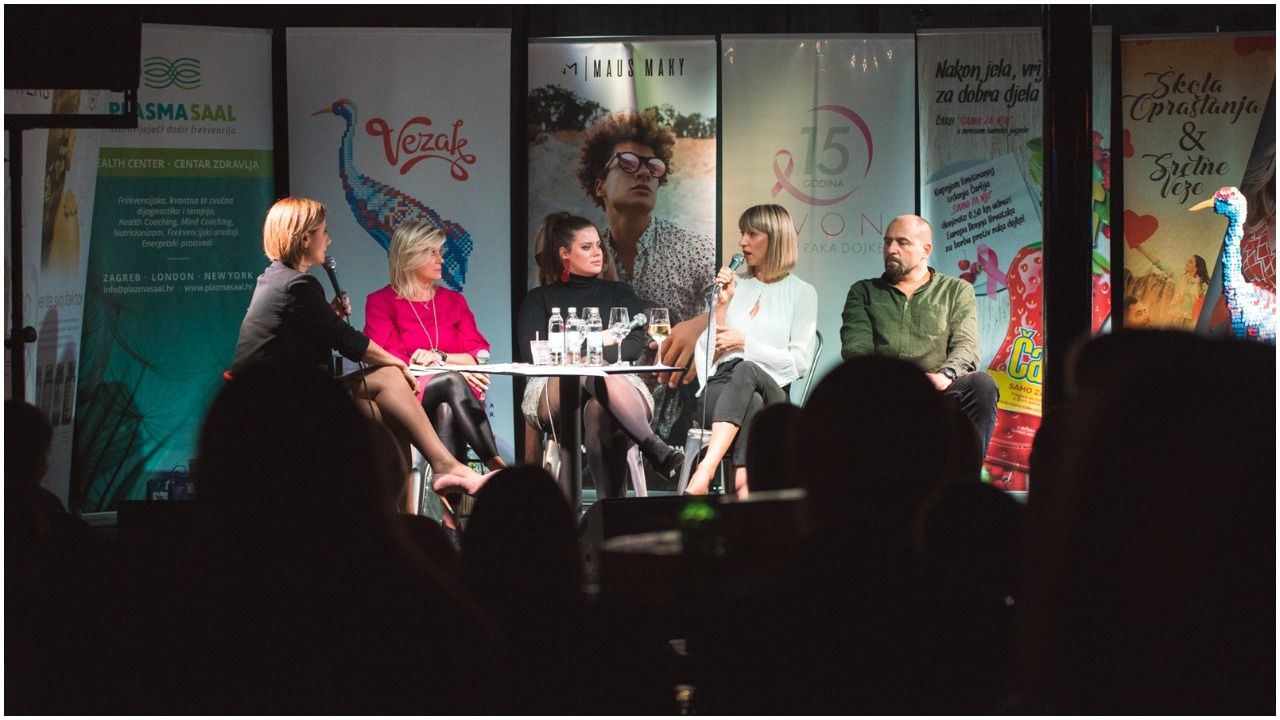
(580,292)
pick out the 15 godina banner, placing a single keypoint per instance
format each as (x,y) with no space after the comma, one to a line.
(815,124)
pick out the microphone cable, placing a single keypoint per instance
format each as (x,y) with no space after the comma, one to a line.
(330,269)
(734,263)
(364,383)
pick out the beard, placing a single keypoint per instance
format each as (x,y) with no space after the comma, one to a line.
(895,269)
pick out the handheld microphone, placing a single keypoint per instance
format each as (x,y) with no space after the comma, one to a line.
(734,263)
(638,321)
(329,265)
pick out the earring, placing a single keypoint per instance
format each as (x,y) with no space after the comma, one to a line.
(564,276)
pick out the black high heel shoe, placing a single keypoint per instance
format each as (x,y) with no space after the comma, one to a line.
(671,467)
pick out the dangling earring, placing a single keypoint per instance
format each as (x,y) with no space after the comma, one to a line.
(564,276)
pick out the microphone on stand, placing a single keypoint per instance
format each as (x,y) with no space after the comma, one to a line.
(734,263)
(329,265)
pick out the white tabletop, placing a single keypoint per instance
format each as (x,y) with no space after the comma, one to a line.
(528,370)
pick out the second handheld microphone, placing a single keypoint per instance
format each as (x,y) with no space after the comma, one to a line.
(734,263)
(638,321)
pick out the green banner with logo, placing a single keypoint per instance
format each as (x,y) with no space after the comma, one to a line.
(176,249)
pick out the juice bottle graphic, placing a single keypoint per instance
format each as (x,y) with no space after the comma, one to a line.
(1016,368)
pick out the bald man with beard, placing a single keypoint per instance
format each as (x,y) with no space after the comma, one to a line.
(916,313)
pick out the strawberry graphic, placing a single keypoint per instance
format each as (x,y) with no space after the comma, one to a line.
(1101,300)
(1026,286)
(1009,453)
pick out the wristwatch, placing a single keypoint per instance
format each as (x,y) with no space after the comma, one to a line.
(950,372)
(444,357)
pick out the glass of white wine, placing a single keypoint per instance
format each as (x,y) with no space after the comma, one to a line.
(659,328)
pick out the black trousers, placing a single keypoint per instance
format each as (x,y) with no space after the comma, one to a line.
(458,417)
(977,395)
(738,390)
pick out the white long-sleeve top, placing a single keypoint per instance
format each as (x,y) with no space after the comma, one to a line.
(780,338)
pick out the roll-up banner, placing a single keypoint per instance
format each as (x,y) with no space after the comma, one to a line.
(1197,117)
(1100,182)
(59,171)
(576,89)
(391,125)
(981,164)
(590,100)
(176,245)
(822,125)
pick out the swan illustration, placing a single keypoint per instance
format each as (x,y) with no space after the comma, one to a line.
(379,208)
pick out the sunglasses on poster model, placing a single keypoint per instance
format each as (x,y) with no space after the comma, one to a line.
(630,162)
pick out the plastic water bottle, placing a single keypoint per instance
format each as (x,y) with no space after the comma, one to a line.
(595,337)
(573,338)
(555,337)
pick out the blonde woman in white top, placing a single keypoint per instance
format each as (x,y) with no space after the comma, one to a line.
(764,339)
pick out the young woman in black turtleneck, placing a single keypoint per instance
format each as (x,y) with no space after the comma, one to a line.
(616,409)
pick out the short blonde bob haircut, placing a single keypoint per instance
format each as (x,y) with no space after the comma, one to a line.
(775,222)
(288,222)
(412,245)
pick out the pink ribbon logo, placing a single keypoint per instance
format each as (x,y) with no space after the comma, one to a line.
(784,163)
(990,265)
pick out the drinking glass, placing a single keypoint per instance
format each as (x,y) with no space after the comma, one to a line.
(619,327)
(541,351)
(659,328)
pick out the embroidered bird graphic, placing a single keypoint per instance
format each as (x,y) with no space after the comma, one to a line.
(379,208)
(1252,308)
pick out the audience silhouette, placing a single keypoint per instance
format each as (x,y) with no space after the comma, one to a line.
(970,539)
(1149,583)
(851,631)
(305,594)
(522,562)
(54,566)
(770,463)
(1139,578)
